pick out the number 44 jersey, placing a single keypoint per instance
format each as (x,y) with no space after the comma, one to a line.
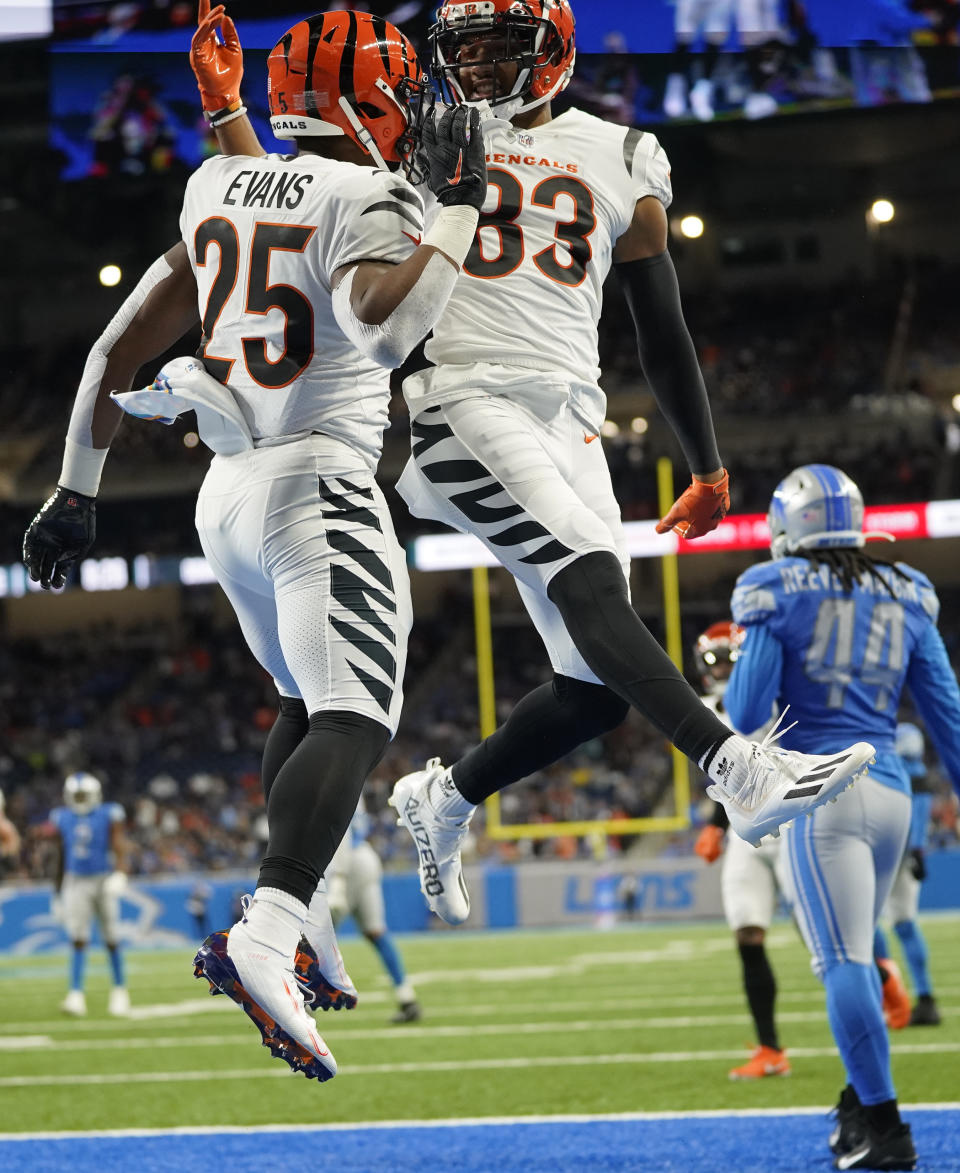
(842,659)
(265,236)
(559,197)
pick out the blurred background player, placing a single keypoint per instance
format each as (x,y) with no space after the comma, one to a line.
(91,875)
(355,888)
(505,415)
(837,636)
(903,902)
(313,279)
(711,20)
(9,842)
(750,879)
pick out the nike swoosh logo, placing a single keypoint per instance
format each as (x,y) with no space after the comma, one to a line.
(589,439)
(410,236)
(455,178)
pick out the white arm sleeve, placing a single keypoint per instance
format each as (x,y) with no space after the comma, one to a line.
(82,462)
(389,343)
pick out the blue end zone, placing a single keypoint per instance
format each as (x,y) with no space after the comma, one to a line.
(762,1143)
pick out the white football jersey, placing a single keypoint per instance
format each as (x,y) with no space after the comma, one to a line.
(559,198)
(265,236)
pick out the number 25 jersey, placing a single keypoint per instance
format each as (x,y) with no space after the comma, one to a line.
(265,236)
(559,197)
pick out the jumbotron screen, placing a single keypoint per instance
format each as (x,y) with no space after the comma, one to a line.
(123,99)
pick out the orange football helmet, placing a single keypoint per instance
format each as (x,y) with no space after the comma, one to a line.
(538,36)
(718,648)
(349,73)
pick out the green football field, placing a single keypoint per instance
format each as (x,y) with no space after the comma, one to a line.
(633,1019)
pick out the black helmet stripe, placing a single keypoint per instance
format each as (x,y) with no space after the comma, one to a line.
(315,24)
(348,58)
(379,27)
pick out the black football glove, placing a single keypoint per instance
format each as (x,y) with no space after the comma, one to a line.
(918,864)
(454,154)
(61,533)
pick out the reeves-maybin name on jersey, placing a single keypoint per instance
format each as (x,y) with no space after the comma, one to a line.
(841,660)
(265,236)
(559,197)
(86,838)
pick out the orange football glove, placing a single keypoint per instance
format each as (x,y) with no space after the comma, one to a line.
(699,509)
(218,68)
(709,844)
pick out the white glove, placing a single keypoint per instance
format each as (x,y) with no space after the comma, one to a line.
(115,884)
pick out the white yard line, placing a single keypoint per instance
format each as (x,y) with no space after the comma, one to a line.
(466,1121)
(497,1064)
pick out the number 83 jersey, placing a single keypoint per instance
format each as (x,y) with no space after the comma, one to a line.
(264,236)
(559,197)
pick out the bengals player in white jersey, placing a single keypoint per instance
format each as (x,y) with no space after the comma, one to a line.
(311,281)
(505,425)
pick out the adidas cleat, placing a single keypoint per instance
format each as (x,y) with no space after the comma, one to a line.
(274,1004)
(764,787)
(318,993)
(439,841)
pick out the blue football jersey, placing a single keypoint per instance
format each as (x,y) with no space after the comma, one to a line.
(841,660)
(86,838)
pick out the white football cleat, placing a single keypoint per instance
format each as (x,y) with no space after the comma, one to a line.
(261,980)
(119,1002)
(701,100)
(675,96)
(439,841)
(74,1003)
(780,784)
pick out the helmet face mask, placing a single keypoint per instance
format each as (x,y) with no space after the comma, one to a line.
(815,507)
(536,37)
(82,792)
(353,74)
(715,653)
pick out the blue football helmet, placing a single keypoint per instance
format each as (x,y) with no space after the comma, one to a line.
(82,792)
(816,507)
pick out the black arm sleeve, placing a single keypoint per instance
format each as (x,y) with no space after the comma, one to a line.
(719,817)
(669,358)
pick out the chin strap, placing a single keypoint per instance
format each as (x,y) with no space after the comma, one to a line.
(364,135)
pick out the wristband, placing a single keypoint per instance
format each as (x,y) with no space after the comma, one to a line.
(231,110)
(82,468)
(453,231)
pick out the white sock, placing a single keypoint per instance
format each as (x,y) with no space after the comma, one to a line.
(275,919)
(447,800)
(730,764)
(405,993)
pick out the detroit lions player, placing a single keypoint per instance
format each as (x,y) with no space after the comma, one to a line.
(355,888)
(9,841)
(751,878)
(838,635)
(505,418)
(91,875)
(902,903)
(311,279)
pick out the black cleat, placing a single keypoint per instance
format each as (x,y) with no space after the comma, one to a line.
(925,1013)
(849,1125)
(881,1150)
(408,1012)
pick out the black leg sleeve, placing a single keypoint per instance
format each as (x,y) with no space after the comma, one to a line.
(591,595)
(545,725)
(314,797)
(289,729)
(761,989)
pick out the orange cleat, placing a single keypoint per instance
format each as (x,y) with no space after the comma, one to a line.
(764,1061)
(896,1000)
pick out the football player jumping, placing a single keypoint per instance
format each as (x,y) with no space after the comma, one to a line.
(751,879)
(837,636)
(505,423)
(311,275)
